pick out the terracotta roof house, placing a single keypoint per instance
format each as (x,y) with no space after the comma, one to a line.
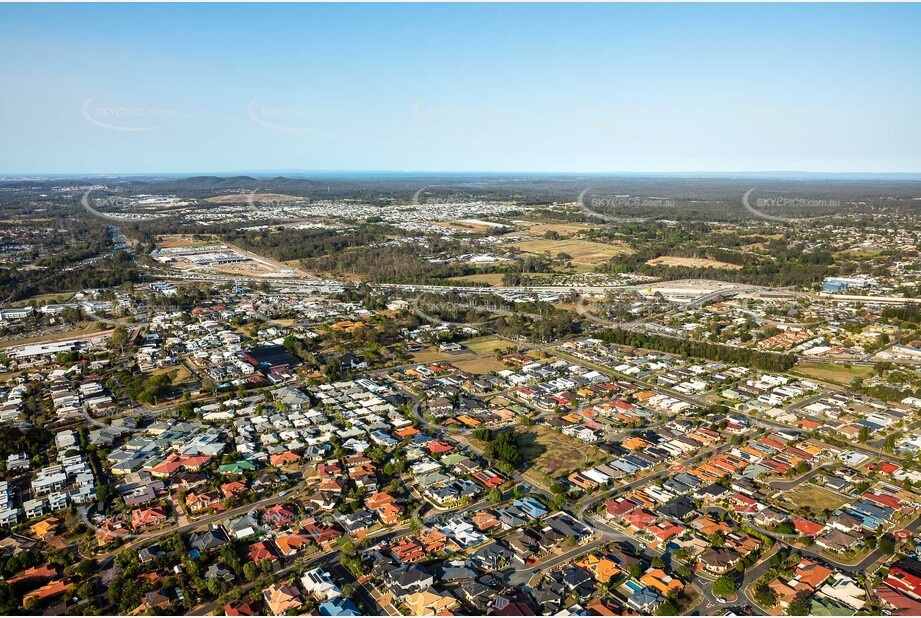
(242,608)
(34,575)
(812,573)
(484,520)
(233,488)
(281,598)
(203,501)
(261,550)
(290,544)
(601,567)
(141,518)
(389,513)
(280,515)
(46,528)
(807,527)
(662,582)
(49,591)
(283,459)
(437,447)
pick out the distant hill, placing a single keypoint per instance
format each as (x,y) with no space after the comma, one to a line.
(217,183)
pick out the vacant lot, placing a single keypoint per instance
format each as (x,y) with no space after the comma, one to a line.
(582,251)
(692,262)
(243,198)
(563,229)
(480,365)
(49,299)
(434,355)
(177,240)
(87,328)
(815,497)
(487,278)
(181,373)
(486,345)
(833,373)
(551,452)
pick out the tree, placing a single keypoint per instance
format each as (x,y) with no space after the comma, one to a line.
(725,586)
(495,495)
(118,338)
(798,608)
(765,596)
(504,447)
(667,608)
(887,544)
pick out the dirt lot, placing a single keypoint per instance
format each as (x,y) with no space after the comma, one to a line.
(480,365)
(170,241)
(693,262)
(242,198)
(582,251)
(815,497)
(488,278)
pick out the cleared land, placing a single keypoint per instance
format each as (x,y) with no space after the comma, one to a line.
(815,497)
(582,251)
(486,345)
(86,329)
(480,365)
(564,229)
(242,198)
(551,452)
(171,241)
(692,262)
(488,278)
(50,299)
(434,355)
(832,372)
(182,374)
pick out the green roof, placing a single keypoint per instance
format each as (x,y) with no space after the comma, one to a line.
(453,459)
(237,467)
(827,607)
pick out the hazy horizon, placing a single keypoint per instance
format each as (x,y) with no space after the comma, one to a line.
(111,89)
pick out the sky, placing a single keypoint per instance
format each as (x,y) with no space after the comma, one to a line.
(600,88)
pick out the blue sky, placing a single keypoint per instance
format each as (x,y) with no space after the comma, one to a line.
(112,88)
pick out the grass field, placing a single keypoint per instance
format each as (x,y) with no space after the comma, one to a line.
(434,355)
(692,262)
(564,229)
(486,345)
(833,373)
(50,299)
(182,374)
(815,497)
(582,251)
(480,365)
(551,452)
